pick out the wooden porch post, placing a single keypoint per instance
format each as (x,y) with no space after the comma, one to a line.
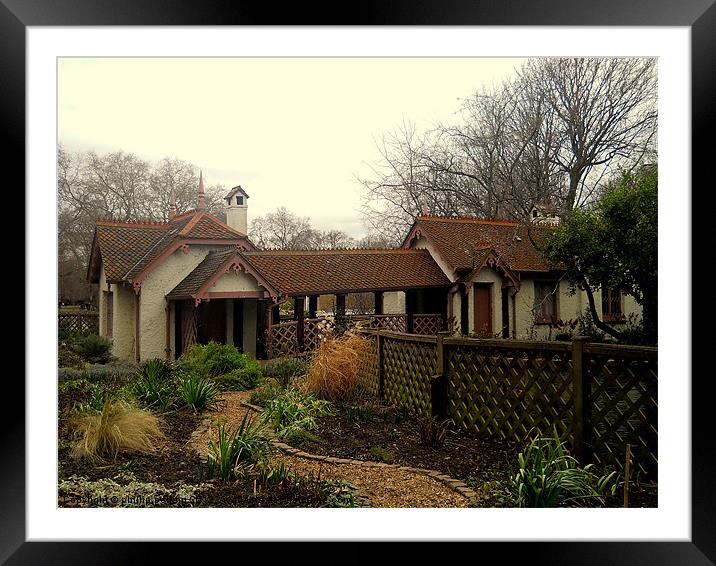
(298,315)
(136,329)
(275,315)
(167,331)
(409,311)
(378,302)
(312,306)
(341,313)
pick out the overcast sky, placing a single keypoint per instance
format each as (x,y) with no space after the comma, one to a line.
(291,132)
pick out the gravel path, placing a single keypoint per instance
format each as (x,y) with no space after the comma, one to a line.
(386,486)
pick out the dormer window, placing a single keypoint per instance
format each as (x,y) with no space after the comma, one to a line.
(239,200)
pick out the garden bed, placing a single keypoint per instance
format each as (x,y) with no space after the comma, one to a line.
(386,434)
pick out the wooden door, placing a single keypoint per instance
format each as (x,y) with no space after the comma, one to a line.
(483,309)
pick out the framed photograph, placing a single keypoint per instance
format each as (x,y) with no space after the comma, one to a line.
(161,152)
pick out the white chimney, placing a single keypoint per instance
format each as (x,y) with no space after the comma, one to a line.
(237,209)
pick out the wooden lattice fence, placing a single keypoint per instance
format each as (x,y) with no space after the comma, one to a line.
(283,338)
(78,323)
(599,396)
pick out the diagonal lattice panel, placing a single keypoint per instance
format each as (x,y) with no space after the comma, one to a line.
(408,367)
(510,393)
(624,411)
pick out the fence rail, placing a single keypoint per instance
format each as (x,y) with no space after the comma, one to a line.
(78,323)
(599,396)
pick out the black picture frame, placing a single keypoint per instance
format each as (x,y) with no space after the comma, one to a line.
(699,15)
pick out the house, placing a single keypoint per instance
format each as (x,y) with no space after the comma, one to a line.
(166,285)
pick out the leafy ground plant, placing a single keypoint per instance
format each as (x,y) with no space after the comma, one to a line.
(382,455)
(547,476)
(248,444)
(294,410)
(119,427)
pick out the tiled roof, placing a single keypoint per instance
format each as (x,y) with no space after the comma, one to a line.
(234,191)
(460,239)
(208,266)
(123,244)
(326,271)
(127,247)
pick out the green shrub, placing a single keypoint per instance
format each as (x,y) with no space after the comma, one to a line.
(249,444)
(214,359)
(197,392)
(382,455)
(154,387)
(293,410)
(269,390)
(93,348)
(68,358)
(284,370)
(547,476)
(115,372)
(241,379)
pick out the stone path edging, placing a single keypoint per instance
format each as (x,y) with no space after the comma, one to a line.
(452,483)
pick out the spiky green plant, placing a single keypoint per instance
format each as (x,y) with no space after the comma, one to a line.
(246,445)
(197,392)
(548,476)
(154,387)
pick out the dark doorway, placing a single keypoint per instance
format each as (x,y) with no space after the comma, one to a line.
(211,322)
(239,324)
(505,312)
(483,309)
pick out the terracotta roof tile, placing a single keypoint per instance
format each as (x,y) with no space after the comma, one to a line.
(458,239)
(127,247)
(326,271)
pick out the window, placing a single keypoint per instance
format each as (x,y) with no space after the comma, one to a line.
(239,200)
(546,306)
(109,312)
(612,305)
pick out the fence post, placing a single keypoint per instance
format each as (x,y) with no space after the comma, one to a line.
(581,386)
(439,381)
(381,372)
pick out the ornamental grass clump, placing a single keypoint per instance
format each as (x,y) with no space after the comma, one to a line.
(547,476)
(334,370)
(119,427)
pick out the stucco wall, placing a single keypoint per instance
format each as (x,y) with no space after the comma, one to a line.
(123,322)
(250,313)
(393,302)
(102,302)
(156,285)
(233,281)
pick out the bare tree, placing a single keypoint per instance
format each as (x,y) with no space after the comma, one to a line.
(116,185)
(285,230)
(552,135)
(605,110)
